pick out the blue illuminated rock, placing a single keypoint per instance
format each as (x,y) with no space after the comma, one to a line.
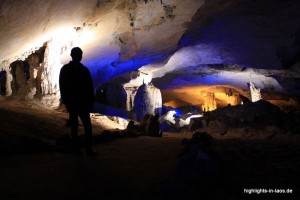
(176,43)
(147,101)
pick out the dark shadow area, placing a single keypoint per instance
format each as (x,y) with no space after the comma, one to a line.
(230,168)
(35,163)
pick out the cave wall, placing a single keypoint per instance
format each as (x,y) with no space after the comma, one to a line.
(258,34)
(36,78)
(173,43)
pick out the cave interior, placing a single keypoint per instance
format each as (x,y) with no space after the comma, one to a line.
(156,56)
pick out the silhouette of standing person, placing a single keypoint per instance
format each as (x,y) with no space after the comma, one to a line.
(77,93)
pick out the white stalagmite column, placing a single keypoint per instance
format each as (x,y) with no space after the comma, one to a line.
(9,79)
(255,92)
(131,92)
(50,75)
(147,101)
(156,98)
(142,102)
(33,61)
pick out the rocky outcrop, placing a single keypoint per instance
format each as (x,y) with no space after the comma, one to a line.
(258,113)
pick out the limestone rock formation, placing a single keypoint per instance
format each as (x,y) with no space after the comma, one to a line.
(147,101)
(255,92)
(142,102)
(156,98)
(177,43)
(131,92)
(209,102)
(116,96)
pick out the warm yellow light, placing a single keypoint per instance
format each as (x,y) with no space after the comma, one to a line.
(210,102)
(232,100)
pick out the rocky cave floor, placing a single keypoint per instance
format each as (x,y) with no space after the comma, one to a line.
(32,166)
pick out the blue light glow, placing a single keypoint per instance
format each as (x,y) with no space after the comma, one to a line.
(102,71)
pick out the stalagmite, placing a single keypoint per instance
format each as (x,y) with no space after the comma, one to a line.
(255,92)
(33,61)
(131,92)
(147,101)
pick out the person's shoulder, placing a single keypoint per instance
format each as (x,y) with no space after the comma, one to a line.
(85,68)
(66,65)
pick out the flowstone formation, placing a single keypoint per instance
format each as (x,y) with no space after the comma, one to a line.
(35,77)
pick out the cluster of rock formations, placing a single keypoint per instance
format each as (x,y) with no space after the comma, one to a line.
(35,78)
(259,118)
(167,45)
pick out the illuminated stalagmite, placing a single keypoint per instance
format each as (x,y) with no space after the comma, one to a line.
(131,92)
(156,98)
(255,92)
(147,100)
(33,61)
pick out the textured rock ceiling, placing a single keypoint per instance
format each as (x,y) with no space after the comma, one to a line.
(174,43)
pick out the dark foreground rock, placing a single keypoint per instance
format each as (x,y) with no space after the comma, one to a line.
(251,119)
(257,113)
(212,168)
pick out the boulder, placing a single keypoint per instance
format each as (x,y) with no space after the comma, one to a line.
(216,127)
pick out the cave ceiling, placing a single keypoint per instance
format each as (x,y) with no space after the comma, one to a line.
(173,43)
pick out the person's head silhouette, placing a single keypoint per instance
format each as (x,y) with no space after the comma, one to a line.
(76,54)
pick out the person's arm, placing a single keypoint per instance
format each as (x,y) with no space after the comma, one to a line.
(63,85)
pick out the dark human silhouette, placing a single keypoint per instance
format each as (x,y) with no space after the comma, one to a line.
(77,93)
